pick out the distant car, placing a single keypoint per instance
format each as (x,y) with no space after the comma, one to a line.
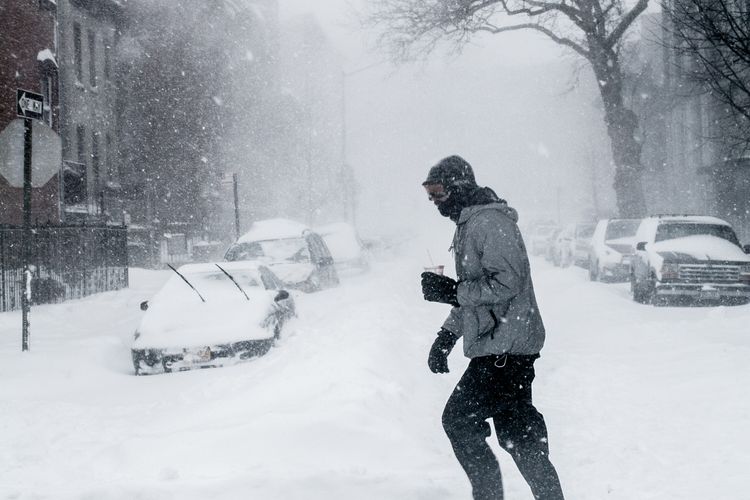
(683,256)
(539,237)
(612,247)
(571,245)
(582,243)
(347,250)
(295,253)
(208,317)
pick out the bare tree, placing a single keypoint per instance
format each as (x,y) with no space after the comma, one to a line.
(712,38)
(593,29)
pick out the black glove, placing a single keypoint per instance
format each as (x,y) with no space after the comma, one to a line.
(437,288)
(443,345)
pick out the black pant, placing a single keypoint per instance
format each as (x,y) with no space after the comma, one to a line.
(499,387)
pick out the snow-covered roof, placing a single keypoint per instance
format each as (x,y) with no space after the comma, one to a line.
(273,229)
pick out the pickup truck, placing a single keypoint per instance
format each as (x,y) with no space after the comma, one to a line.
(689,256)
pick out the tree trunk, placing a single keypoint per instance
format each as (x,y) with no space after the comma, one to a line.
(621,126)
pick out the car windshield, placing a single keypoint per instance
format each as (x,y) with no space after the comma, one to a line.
(673,230)
(621,229)
(287,249)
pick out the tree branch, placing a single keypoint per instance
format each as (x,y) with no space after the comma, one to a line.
(556,38)
(625,23)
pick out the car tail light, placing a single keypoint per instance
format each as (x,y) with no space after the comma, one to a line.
(670,271)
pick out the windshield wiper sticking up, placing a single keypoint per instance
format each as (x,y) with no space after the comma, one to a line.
(233,280)
(186,281)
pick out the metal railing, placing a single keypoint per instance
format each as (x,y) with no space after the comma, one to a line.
(67,262)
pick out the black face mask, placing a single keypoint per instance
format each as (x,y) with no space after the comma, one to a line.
(457,201)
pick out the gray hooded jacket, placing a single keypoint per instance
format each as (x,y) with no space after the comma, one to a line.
(498,312)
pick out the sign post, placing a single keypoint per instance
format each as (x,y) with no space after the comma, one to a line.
(29,106)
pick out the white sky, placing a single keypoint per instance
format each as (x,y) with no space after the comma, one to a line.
(503,104)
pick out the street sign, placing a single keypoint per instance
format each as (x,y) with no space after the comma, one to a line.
(29,104)
(46,157)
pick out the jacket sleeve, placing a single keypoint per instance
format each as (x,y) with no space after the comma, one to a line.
(496,246)
(453,322)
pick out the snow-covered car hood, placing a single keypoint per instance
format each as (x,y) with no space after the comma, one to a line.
(177,318)
(199,323)
(699,248)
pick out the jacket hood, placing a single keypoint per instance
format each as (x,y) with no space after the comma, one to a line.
(499,205)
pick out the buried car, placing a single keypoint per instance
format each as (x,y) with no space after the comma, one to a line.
(210,315)
(347,250)
(685,256)
(295,253)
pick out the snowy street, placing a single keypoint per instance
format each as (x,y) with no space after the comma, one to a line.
(640,402)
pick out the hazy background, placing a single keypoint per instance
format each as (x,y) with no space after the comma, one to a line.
(508,104)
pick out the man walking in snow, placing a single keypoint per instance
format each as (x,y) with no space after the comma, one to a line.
(495,311)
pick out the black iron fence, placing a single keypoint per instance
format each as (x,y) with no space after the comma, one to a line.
(66,262)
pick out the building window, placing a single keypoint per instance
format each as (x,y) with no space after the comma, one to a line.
(78,63)
(74,183)
(92,58)
(107,55)
(81,143)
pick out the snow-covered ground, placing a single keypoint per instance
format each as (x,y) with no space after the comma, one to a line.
(641,402)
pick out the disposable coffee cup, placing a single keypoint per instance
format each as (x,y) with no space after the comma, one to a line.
(435,269)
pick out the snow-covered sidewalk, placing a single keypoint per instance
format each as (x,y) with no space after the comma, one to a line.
(641,402)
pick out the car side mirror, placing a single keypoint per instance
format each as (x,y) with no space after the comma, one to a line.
(282,295)
(641,245)
(144,305)
(746,248)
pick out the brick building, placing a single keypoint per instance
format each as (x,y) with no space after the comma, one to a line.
(88,32)
(28,48)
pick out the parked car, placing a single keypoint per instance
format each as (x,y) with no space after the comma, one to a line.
(612,247)
(210,315)
(539,237)
(294,252)
(697,257)
(582,243)
(347,250)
